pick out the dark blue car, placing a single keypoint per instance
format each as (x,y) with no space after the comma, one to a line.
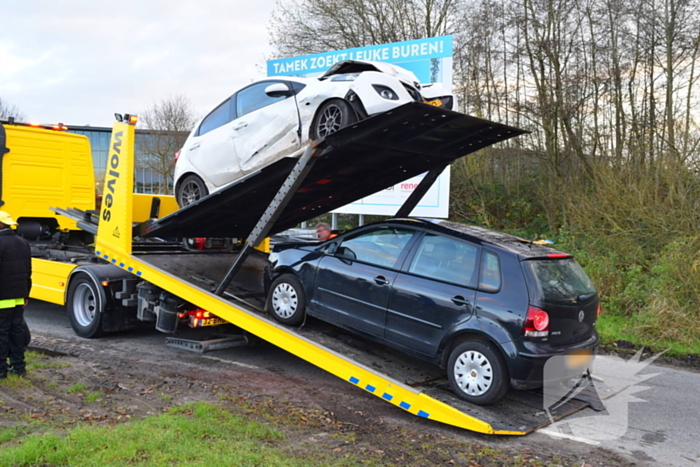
(488,307)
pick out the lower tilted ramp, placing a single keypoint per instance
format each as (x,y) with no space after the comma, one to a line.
(520,412)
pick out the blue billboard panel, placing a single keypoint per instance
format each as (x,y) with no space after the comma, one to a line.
(421,56)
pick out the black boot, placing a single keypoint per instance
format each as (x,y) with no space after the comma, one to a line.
(17,367)
(19,372)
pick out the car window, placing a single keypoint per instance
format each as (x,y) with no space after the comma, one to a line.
(490,273)
(561,279)
(445,259)
(253,98)
(381,247)
(218,117)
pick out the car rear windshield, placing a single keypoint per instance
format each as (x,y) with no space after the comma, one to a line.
(560,280)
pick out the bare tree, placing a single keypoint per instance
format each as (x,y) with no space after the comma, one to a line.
(169,122)
(7,110)
(301,27)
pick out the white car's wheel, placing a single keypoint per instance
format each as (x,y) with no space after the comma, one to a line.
(286,300)
(190,190)
(332,116)
(477,372)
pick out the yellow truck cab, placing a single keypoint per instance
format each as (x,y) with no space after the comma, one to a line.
(47,167)
(42,168)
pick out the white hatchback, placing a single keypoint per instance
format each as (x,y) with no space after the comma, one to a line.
(277,117)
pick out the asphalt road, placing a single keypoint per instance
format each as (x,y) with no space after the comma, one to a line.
(657,426)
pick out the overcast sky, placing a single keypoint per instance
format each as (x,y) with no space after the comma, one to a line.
(80,61)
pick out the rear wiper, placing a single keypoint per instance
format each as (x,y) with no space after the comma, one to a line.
(581,298)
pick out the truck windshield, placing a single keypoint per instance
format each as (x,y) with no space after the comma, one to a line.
(560,280)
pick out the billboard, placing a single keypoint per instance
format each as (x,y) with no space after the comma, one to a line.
(430,60)
(435,203)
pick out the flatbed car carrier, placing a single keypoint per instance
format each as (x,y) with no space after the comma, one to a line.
(134,274)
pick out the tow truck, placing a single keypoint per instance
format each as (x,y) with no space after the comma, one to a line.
(126,263)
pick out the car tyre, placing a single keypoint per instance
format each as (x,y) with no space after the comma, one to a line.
(286,301)
(85,307)
(191,189)
(332,116)
(477,372)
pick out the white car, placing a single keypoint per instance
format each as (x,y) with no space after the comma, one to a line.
(278,117)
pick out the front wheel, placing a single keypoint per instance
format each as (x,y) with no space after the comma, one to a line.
(85,307)
(477,372)
(190,190)
(332,116)
(287,300)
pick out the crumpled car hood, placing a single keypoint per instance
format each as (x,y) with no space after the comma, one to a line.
(358,66)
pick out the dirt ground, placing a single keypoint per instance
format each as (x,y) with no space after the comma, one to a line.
(71,383)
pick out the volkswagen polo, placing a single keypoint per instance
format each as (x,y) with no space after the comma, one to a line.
(488,307)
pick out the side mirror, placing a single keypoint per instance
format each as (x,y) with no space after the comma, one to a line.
(278,90)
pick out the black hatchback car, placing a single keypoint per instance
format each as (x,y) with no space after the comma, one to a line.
(488,307)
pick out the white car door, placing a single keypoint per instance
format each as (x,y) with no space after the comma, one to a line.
(266,128)
(212,151)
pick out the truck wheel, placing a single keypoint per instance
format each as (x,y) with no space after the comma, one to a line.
(85,307)
(190,190)
(477,372)
(287,300)
(331,117)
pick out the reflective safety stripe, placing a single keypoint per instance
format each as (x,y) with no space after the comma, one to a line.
(11,303)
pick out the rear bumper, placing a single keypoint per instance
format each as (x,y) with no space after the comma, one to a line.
(528,371)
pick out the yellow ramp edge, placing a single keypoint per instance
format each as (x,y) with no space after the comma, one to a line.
(392,391)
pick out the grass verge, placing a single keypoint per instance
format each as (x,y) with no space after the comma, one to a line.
(197,434)
(615,330)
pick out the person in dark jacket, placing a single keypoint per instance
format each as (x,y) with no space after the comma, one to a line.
(15,284)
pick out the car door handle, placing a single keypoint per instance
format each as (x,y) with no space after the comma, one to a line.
(240,126)
(381,280)
(194,146)
(459,300)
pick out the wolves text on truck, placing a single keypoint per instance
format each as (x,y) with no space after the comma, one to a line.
(131,275)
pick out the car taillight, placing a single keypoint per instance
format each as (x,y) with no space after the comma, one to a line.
(536,323)
(598,311)
(177,155)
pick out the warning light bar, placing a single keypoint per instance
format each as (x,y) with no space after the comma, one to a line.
(126,118)
(56,127)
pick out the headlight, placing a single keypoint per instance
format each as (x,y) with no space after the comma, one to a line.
(346,77)
(386,92)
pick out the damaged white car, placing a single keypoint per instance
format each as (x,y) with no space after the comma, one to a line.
(277,117)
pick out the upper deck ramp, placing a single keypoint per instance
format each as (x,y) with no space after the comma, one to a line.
(358,161)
